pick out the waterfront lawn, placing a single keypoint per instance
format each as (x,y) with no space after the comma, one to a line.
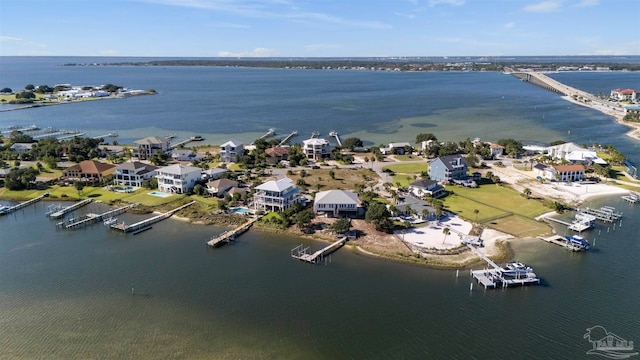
(19,195)
(210,201)
(464,207)
(503,198)
(520,226)
(416,168)
(343,179)
(407,157)
(403,180)
(142,196)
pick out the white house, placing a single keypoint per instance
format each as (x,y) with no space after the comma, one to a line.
(231,151)
(397,148)
(22,148)
(220,186)
(177,178)
(567,172)
(148,146)
(316,148)
(276,195)
(133,173)
(183,155)
(213,173)
(429,187)
(334,203)
(496,149)
(574,154)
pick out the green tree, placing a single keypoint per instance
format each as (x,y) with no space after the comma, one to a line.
(446,232)
(6,90)
(475,212)
(304,218)
(378,214)
(29,87)
(341,226)
(352,143)
(79,185)
(20,179)
(425,137)
(527,192)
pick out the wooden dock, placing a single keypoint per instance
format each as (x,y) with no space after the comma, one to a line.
(9,209)
(301,253)
(582,222)
(284,141)
(148,222)
(231,235)
(631,198)
(88,219)
(492,278)
(605,213)
(70,208)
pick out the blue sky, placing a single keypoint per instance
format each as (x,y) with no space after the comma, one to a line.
(319,28)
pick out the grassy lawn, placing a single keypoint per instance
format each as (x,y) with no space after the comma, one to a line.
(343,179)
(502,198)
(519,226)
(402,179)
(465,208)
(142,196)
(211,201)
(416,168)
(407,157)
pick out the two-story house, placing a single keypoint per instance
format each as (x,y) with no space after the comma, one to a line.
(276,195)
(133,173)
(334,203)
(89,172)
(178,179)
(316,148)
(429,187)
(220,187)
(231,151)
(145,148)
(448,168)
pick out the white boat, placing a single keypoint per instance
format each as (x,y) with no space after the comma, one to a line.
(517,269)
(109,221)
(578,241)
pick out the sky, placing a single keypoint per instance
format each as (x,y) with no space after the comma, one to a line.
(319,28)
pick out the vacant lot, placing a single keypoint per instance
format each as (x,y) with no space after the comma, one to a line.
(415,168)
(343,179)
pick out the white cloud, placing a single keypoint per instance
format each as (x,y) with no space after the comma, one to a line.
(257,52)
(509,25)
(10,39)
(543,7)
(406,16)
(446,2)
(587,3)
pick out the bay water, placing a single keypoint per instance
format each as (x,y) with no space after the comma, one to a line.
(68,294)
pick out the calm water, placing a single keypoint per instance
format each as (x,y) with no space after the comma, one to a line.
(68,294)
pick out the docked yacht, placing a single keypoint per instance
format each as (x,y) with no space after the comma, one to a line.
(578,241)
(517,269)
(110,221)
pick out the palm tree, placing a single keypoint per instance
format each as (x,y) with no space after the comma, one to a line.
(527,192)
(476,211)
(445,231)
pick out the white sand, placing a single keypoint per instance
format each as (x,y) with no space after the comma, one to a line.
(431,236)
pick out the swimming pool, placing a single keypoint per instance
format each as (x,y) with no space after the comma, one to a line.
(159,194)
(240,210)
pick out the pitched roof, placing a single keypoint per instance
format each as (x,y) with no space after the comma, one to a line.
(91,167)
(277,151)
(449,160)
(232,143)
(276,185)
(540,166)
(222,183)
(315,141)
(133,165)
(398,144)
(336,197)
(178,169)
(150,140)
(423,183)
(565,168)
(237,190)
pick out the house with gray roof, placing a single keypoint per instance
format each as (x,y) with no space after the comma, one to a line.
(231,151)
(22,148)
(220,187)
(178,179)
(429,187)
(148,146)
(133,173)
(336,203)
(276,195)
(448,168)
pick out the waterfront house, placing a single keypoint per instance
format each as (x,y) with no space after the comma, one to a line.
(231,151)
(566,173)
(276,154)
(133,173)
(276,195)
(625,95)
(316,148)
(448,168)
(178,179)
(429,187)
(631,169)
(213,173)
(574,154)
(89,172)
(496,150)
(220,187)
(335,203)
(4,173)
(22,148)
(145,148)
(183,155)
(540,170)
(397,148)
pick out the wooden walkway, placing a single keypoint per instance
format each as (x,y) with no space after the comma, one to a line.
(10,209)
(228,236)
(491,278)
(300,252)
(560,241)
(70,208)
(142,225)
(85,220)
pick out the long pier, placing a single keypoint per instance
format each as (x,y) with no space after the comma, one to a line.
(9,209)
(284,141)
(560,241)
(335,135)
(580,224)
(300,252)
(142,225)
(231,235)
(180,143)
(70,208)
(605,213)
(85,220)
(267,134)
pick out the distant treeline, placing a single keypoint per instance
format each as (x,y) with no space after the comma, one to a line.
(379,65)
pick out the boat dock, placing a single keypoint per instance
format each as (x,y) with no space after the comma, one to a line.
(231,235)
(581,223)
(301,253)
(491,278)
(85,220)
(284,141)
(183,142)
(335,135)
(109,135)
(561,241)
(631,198)
(68,209)
(9,209)
(144,224)
(605,213)
(269,132)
